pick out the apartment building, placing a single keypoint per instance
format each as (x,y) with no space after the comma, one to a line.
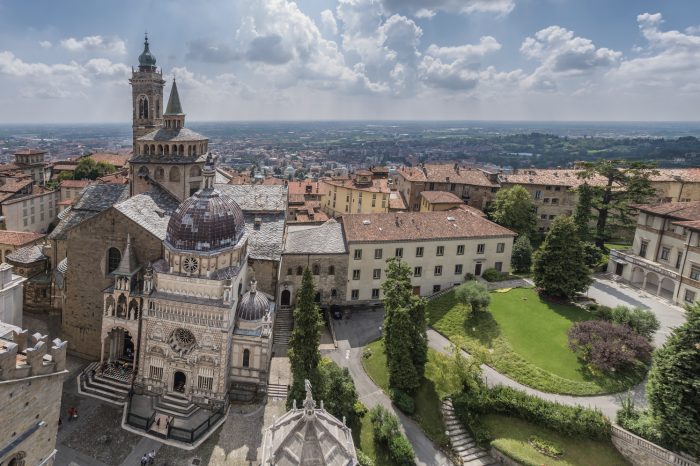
(474,186)
(33,212)
(31,162)
(664,259)
(304,202)
(361,194)
(438,200)
(441,248)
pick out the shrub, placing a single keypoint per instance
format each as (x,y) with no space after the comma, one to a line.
(592,254)
(608,347)
(473,294)
(469,277)
(385,425)
(642,321)
(639,422)
(401,451)
(363,459)
(403,401)
(568,420)
(360,409)
(493,275)
(545,447)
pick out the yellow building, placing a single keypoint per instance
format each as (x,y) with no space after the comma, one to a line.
(432,201)
(359,195)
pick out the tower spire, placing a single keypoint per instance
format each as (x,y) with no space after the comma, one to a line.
(174,107)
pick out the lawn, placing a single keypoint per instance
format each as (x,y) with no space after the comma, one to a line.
(364,440)
(526,338)
(510,436)
(440,380)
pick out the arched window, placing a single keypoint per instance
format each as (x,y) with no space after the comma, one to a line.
(159,174)
(141,107)
(160,149)
(114,257)
(300,270)
(246,358)
(316,269)
(195,171)
(174,174)
(334,292)
(143,171)
(182,149)
(289,271)
(146,149)
(331,270)
(166,150)
(145,107)
(153,149)
(157,108)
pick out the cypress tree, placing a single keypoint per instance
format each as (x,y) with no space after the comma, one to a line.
(521,258)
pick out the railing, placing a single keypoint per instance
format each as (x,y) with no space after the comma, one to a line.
(192,435)
(651,448)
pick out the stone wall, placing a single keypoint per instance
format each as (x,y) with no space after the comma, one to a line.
(87,277)
(324,282)
(26,403)
(265,274)
(641,452)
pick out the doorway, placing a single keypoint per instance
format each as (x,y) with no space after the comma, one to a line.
(416,290)
(128,346)
(618,268)
(179,381)
(286,297)
(477,269)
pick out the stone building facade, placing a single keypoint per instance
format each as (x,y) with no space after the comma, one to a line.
(32,371)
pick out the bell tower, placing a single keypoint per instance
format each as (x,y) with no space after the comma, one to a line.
(146,94)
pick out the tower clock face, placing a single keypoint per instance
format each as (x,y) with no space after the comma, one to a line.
(190,264)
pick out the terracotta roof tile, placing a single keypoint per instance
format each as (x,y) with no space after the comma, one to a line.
(410,226)
(118,160)
(19,238)
(377,186)
(74,183)
(441,197)
(677,210)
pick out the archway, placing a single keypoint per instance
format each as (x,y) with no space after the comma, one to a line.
(637,277)
(286,298)
(179,381)
(317,298)
(667,288)
(652,285)
(121,306)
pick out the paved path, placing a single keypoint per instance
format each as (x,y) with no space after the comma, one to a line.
(352,334)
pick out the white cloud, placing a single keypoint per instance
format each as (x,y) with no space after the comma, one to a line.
(328,22)
(487,44)
(95,43)
(563,55)
(105,68)
(45,44)
(424,13)
(458,67)
(501,7)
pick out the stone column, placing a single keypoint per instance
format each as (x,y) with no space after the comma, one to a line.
(102,352)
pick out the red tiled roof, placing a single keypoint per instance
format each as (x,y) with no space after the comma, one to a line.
(549,177)
(74,183)
(19,238)
(676,210)
(396,201)
(117,160)
(447,173)
(377,186)
(300,187)
(441,197)
(410,226)
(14,185)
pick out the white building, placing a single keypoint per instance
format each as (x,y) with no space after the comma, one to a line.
(11,295)
(440,247)
(665,256)
(33,212)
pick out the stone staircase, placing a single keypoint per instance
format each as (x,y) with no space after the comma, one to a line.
(466,449)
(102,386)
(283,330)
(175,405)
(276,391)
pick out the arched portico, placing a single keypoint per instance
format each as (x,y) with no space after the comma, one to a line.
(667,288)
(651,284)
(637,278)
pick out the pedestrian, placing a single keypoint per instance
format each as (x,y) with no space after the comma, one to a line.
(158,422)
(144,460)
(151,457)
(75,413)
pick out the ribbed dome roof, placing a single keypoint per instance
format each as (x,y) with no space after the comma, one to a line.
(254,305)
(207,221)
(147,58)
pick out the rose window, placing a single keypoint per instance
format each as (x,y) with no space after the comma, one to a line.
(190,264)
(182,341)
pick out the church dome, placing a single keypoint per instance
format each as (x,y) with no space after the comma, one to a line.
(254,305)
(206,221)
(147,58)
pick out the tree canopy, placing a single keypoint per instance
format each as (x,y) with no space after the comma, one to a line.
(88,169)
(473,294)
(514,208)
(521,258)
(560,266)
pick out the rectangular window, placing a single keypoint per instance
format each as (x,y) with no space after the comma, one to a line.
(355,295)
(689,296)
(205,383)
(695,273)
(460,249)
(440,251)
(453,187)
(543,216)
(419,251)
(358,254)
(438,270)
(498,266)
(436,288)
(458,269)
(375,293)
(679,258)
(555,201)
(377,274)
(500,247)
(548,188)
(557,188)
(545,200)
(643,248)
(538,195)
(399,252)
(356,274)
(480,248)
(156,373)
(378,253)
(417,271)
(665,253)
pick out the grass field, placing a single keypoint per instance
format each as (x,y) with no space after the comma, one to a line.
(440,381)
(526,338)
(364,440)
(510,436)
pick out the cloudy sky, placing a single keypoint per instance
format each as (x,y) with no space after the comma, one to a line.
(69,60)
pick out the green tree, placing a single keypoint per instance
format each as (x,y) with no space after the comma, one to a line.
(474,295)
(304,355)
(88,169)
(673,389)
(582,215)
(560,267)
(405,328)
(64,175)
(337,390)
(521,258)
(513,208)
(623,183)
